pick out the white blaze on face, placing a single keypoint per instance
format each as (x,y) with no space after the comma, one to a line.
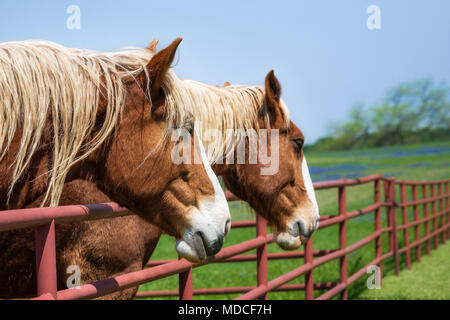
(305,218)
(211,218)
(309,185)
(220,201)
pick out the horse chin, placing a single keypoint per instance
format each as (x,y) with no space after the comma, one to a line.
(287,241)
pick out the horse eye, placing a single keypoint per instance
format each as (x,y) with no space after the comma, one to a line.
(189,126)
(298,144)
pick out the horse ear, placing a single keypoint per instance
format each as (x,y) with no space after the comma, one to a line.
(273,94)
(158,66)
(153,44)
(273,88)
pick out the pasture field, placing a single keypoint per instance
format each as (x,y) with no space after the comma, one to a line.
(413,162)
(426,280)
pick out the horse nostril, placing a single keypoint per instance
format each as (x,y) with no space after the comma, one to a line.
(210,247)
(214,247)
(297,229)
(227,227)
(199,243)
(316,224)
(303,230)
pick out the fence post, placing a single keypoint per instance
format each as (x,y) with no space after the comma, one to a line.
(46,259)
(387,198)
(441,211)
(405,230)
(447,206)
(343,240)
(425,213)
(186,291)
(309,278)
(416,228)
(261,254)
(378,242)
(393,214)
(433,213)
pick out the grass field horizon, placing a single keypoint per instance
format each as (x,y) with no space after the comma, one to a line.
(429,161)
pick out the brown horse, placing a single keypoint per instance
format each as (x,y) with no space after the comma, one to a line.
(285,198)
(100,249)
(106,118)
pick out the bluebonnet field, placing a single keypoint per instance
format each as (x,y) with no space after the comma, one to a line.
(421,161)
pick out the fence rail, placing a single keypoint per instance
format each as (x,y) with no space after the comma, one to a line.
(436,223)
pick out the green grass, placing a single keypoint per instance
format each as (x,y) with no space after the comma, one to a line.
(413,162)
(426,280)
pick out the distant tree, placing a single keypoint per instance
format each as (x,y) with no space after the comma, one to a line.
(354,132)
(416,111)
(430,102)
(409,108)
(435,106)
(392,123)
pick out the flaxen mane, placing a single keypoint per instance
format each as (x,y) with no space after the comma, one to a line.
(233,107)
(42,81)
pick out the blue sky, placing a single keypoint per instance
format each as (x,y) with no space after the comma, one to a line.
(322,52)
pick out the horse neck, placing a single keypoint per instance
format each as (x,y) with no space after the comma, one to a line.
(34,182)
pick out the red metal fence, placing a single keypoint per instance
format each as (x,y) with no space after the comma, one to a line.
(436,224)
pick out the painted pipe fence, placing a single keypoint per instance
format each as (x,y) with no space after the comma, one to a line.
(388,194)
